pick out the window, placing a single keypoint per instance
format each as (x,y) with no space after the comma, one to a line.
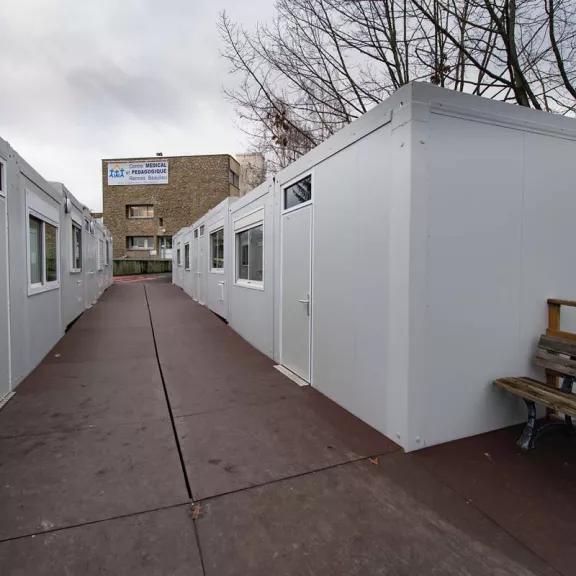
(178,262)
(166,242)
(160,222)
(2,179)
(217,249)
(202,230)
(43,252)
(249,255)
(298,193)
(100,254)
(76,247)
(233,178)
(140,211)
(196,233)
(187,256)
(107,252)
(36,273)
(140,242)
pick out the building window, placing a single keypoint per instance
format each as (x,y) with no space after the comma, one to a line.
(160,222)
(249,255)
(76,247)
(217,249)
(100,254)
(2,179)
(43,252)
(178,256)
(196,233)
(140,242)
(233,178)
(298,193)
(202,230)
(187,256)
(107,252)
(140,211)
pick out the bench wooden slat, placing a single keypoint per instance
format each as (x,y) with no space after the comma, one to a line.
(540,392)
(560,345)
(560,364)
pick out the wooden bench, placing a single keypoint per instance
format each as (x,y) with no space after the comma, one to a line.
(556,353)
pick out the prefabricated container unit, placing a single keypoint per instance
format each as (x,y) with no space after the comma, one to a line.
(177,257)
(217,260)
(251,271)
(38,297)
(72,239)
(404,263)
(186,262)
(198,243)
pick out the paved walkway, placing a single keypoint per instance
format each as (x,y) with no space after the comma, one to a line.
(153,440)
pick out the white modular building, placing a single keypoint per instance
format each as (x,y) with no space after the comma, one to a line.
(405,263)
(218,260)
(43,283)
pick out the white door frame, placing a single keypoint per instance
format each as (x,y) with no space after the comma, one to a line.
(283,212)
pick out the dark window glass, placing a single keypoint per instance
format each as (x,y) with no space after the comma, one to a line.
(51,244)
(298,193)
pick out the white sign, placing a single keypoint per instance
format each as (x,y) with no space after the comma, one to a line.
(133,173)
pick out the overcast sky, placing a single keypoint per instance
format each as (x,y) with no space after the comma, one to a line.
(84,80)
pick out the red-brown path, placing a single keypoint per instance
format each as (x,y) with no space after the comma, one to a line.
(153,440)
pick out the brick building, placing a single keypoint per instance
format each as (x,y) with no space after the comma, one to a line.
(146,200)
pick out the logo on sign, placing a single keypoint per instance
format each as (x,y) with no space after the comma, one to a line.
(116,171)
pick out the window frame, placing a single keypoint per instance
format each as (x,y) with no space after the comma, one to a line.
(219,270)
(179,254)
(291,183)
(187,256)
(73,268)
(130,206)
(43,285)
(3,179)
(242,282)
(100,255)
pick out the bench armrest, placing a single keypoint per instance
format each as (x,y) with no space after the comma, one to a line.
(557,302)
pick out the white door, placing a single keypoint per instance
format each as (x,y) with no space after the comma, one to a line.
(201,265)
(4,327)
(297,290)
(194,269)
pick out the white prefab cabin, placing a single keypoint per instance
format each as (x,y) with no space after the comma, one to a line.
(405,263)
(43,284)
(217,259)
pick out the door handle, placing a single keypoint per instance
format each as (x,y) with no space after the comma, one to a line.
(307,302)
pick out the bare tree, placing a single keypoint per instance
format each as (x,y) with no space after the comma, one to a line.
(322,63)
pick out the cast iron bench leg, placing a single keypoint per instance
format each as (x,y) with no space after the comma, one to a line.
(526,441)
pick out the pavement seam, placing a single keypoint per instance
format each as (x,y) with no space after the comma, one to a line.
(489,517)
(91,522)
(169,405)
(299,475)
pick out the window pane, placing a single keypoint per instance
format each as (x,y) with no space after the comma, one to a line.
(50,241)
(76,247)
(178,256)
(242,239)
(140,242)
(35,250)
(217,249)
(186,256)
(255,254)
(141,211)
(298,193)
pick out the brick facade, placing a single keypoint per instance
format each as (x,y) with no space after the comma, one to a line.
(195,184)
